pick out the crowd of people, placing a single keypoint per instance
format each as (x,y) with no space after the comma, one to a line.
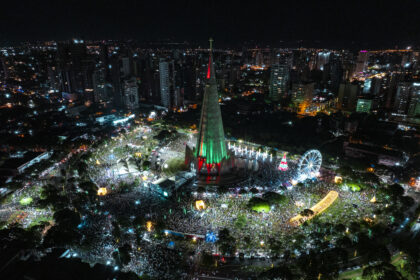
(222,210)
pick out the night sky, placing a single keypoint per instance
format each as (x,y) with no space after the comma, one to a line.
(229,21)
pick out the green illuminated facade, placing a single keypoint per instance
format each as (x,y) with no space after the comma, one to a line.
(211,146)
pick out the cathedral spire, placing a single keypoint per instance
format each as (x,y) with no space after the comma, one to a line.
(211,145)
(210,68)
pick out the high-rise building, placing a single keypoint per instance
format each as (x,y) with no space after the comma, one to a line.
(279,81)
(302,94)
(322,59)
(333,73)
(167,83)
(115,72)
(391,85)
(361,62)
(146,71)
(367,86)
(126,66)
(99,84)
(131,94)
(74,70)
(347,97)
(259,59)
(407,99)
(102,90)
(5,67)
(414,104)
(211,148)
(402,98)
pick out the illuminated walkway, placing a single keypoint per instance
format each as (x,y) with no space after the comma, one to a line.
(317,208)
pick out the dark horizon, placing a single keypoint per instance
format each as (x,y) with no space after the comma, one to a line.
(372,24)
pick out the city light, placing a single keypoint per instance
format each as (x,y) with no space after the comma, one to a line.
(102,191)
(338,179)
(200,205)
(149,226)
(123,120)
(177,159)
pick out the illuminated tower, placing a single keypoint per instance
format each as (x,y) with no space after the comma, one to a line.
(211,147)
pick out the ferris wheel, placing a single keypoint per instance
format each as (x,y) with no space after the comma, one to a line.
(309,165)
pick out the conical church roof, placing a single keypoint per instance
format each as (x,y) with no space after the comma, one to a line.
(211,145)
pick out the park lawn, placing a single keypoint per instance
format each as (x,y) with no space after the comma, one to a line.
(39,220)
(351,275)
(25,201)
(175,165)
(396,260)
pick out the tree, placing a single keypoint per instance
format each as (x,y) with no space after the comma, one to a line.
(67,218)
(274,245)
(227,244)
(241,221)
(259,204)
(254,191)
(61,236)
(381,271)
(207,259)
(339,228)
(139,221)
(89,188)
(122,255)
(274,198)
(279,272)
(395,190)
(116,230)
(344,242)
(406,202)
(307,213)
(81,168)
(50,195)
(146,165)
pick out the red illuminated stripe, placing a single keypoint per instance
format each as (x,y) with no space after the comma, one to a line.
(208,69)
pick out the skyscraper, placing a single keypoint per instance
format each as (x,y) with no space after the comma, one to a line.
(361,61)
(322,59)
(99,84)
(126,66)
(333,72)
(131,95)
(211,147)
(167,80)
(402,98)
(407,99)
(279,81)
(302,94)
(347,97)
(115,71)
(414,104)
(74,70)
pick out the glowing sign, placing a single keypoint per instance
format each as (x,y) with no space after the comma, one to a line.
(200,205)
(102,191)
(211,237)
(149,226)
(317,208)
